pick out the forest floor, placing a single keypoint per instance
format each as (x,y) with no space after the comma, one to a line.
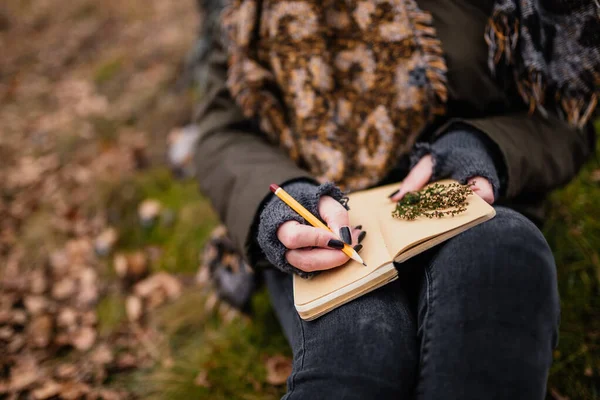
(100,245)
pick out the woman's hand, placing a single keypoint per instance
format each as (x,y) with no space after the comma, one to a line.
(421,173)
(314,249)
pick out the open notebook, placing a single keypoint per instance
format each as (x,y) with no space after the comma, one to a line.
(388,239)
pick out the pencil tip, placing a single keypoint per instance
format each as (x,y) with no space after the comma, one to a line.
(364,264)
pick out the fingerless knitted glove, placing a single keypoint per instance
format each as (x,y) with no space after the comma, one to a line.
(276,212)
(460,154)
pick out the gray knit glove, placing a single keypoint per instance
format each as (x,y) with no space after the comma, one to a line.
(460,154)
(276,212)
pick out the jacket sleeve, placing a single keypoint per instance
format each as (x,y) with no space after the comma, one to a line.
(538,153)
(234,162)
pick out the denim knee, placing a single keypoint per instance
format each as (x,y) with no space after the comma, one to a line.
(504,267)
(366,347)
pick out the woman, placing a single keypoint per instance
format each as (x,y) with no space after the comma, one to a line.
(361,93)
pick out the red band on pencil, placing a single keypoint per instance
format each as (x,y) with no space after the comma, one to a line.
(273,187)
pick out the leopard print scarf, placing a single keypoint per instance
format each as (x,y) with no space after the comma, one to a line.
(551,50)
(345,87)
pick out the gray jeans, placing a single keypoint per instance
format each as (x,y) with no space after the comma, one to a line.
(474,318)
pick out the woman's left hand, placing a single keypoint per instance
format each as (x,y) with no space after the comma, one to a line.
(421,173)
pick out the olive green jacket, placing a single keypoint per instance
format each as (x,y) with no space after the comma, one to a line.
(235,164)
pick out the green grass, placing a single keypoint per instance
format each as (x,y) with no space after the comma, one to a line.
(573,231)
(111,312)
(107,70)
(233,354)
(181,229)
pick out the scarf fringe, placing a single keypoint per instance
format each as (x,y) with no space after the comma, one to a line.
(433,54)
(502,37)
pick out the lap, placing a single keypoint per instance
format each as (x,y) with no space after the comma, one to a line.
(507,252)
(501,269)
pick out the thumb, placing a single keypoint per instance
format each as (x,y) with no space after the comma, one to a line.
(418,177)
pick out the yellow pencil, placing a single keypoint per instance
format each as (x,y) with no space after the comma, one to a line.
(314,221)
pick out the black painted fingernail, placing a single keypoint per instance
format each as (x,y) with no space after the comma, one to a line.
(361,236)
(358,227)
(358,247)
(345,234)
(335,244)
(393,194)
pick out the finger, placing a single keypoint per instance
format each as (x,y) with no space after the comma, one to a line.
(483,188)
(336,218)
(418,177)
(295,235)
(355,234)
(361,236)
(317,259)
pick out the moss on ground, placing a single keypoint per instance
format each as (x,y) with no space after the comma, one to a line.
(185,222)
(230,356)
(573,231)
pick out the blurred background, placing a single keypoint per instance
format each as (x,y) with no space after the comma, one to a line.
(100,242)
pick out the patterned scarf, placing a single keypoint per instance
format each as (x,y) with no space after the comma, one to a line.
(345,87)
(552,51)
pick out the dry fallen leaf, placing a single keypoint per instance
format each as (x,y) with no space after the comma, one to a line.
(148,211)
(105,394)
(66,318)
(6,332)
(89,318)
(137,266)
(595,176)
(156,298)
(202,379)
(59,261)
(556,395)
(102,355)
(74,390)
(65,371)
(211,302)
(35,304)
(5,317)
(19,317)
(84,339)
(48,389)
(120,265)
(23,374)
(203,276)
(16,344)
(39,283)
(39,330)
(63,288)
(134,308)
(279,368)
(4,387)
(105,241)
(126,361)
(168,283)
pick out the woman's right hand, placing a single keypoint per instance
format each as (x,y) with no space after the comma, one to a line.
(314,249)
